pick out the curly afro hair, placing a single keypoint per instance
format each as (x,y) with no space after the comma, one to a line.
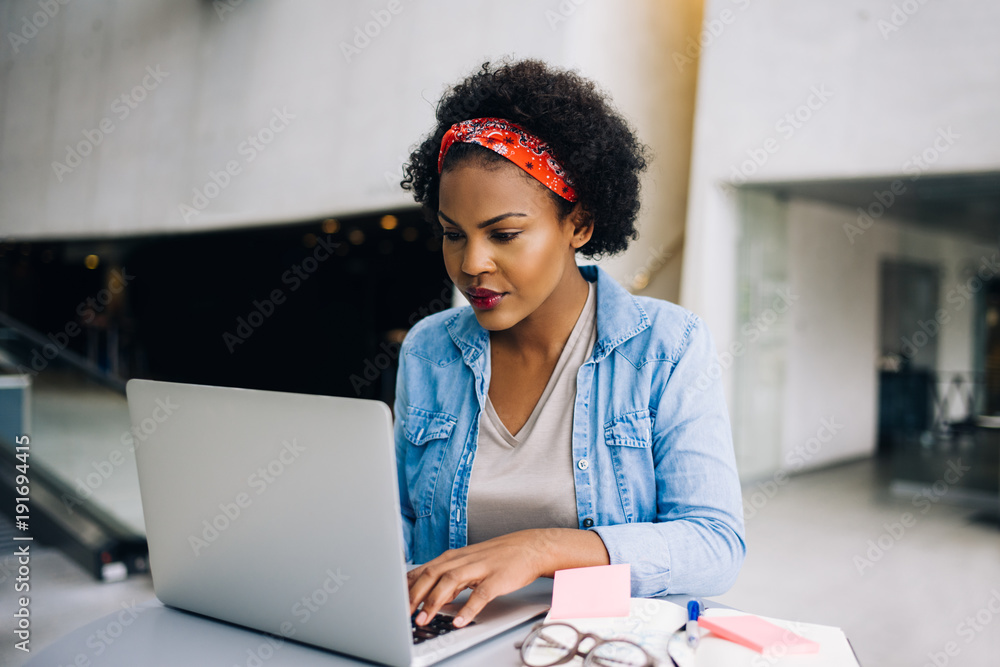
(593,142)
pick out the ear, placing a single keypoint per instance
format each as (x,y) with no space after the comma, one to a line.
(583,225)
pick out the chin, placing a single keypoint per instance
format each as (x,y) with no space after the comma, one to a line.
(493,321)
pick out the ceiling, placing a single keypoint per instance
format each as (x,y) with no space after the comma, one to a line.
(967,203)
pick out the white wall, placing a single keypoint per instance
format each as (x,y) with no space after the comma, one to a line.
(354,122)
(833,344)
(879,97)
(356,116)
(629,48)
(889,97)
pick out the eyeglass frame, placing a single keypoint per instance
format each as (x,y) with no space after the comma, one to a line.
(576,652)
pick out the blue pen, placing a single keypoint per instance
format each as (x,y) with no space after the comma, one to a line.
(694,610)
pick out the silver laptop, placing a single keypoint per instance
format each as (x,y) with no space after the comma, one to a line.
(280,512)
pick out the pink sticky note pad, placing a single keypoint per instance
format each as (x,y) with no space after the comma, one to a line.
(757,634)
(589,592)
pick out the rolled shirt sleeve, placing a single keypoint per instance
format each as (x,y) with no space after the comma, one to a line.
(696,545)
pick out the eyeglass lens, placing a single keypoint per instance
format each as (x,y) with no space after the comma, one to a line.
(557,643)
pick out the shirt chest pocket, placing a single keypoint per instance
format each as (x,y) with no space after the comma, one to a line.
(429,434)
(628,437)
(629,429)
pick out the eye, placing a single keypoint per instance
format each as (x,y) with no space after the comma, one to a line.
(501,237)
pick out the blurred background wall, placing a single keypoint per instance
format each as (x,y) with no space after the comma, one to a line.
(831,138)
(256,113)
(209,145)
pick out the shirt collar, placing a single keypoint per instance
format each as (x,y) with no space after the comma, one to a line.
(619,317)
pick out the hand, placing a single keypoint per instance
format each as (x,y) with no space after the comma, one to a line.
(491,568)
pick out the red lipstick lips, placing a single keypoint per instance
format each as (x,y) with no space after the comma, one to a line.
(484,299)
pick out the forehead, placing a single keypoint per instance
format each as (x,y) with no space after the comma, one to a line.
(471,187)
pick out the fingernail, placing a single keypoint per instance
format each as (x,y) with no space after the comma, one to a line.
(458,622)
(421,618)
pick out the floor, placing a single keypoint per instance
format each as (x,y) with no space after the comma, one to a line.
(903,573)
(907,574)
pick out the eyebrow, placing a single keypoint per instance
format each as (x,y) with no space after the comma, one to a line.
(487,223)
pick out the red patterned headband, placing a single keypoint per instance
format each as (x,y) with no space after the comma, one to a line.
(517,145)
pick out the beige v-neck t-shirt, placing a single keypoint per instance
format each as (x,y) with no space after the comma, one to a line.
(525,480)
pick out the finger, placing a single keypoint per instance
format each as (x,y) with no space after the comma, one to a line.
(420,588)
(446,588)
(412,575)
(422,579)
(479,598)
(411,578)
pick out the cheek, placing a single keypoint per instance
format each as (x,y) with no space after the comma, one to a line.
(531,261)
(541,255)
(452,257)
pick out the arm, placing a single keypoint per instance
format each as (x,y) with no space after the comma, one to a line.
(499,566)
(696,545)
(399,414)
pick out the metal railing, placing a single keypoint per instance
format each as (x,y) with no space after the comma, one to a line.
(83,406)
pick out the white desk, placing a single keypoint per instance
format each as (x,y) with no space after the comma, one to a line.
(161,636)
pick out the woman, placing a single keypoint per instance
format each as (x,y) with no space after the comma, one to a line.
(557,421)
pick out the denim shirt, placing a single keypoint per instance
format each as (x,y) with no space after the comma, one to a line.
(653,459)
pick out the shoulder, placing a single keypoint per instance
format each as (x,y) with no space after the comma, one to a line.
(672,329)
(429,338)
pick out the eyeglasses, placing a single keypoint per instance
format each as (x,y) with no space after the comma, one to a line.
(550,644)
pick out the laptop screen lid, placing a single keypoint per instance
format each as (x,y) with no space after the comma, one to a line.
(276,511)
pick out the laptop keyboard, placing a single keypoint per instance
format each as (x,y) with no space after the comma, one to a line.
(439,625)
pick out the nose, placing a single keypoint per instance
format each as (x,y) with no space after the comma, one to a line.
(477,258)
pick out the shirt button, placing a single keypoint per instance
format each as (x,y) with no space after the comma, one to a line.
(582,464)
(588,522)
